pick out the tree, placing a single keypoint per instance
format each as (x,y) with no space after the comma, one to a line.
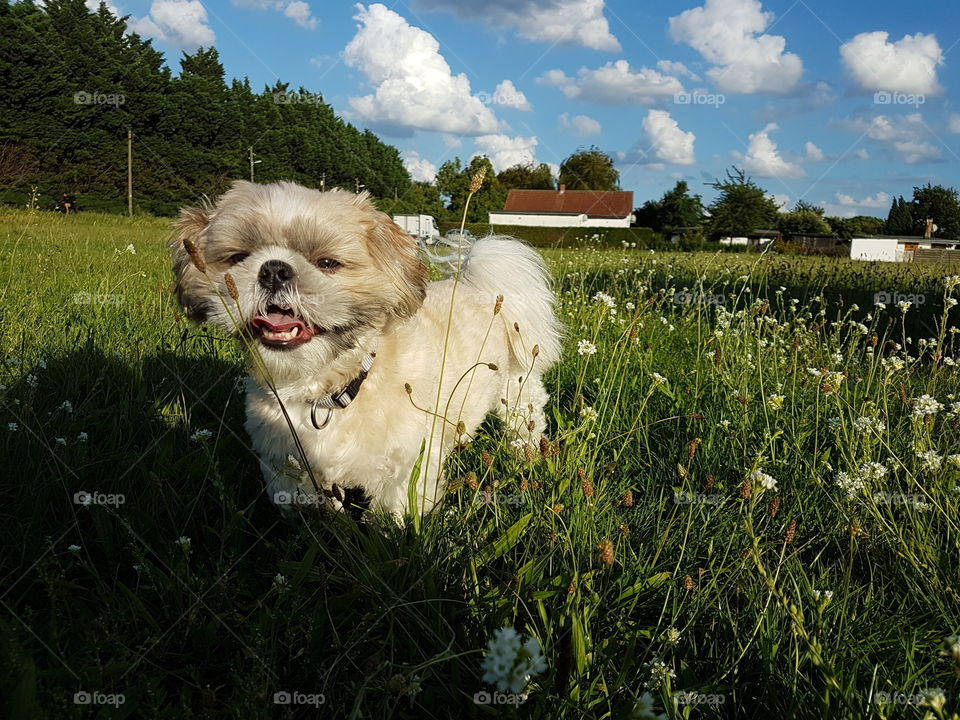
(804,219)
(527,177)
(677,208)
(73,82)
(589,170)
(899,219)
(941,205)
(421,198)
(846,228)
(453,181)
(741,207)
(803,222)
(804,206)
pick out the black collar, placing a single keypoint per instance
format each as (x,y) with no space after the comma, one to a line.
(343,397)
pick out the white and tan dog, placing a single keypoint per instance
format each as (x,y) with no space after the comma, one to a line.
(352,351)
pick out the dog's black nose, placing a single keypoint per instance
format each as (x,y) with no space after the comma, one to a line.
(274,274)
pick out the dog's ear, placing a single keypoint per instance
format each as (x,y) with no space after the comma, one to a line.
(187,249)
(398,254)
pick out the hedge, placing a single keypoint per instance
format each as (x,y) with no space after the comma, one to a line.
(558,237)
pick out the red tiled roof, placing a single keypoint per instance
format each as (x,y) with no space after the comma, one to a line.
(593,203)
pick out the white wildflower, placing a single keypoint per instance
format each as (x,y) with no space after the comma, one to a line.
(510,663)
(925,405)
(765,481)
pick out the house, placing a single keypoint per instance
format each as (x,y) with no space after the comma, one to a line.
(758,238)
(904,248)
(566,208)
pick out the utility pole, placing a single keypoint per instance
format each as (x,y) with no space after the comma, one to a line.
(358,184)
(130,172)
(252,162)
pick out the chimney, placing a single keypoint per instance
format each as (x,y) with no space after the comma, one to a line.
(563,189)
(928,232)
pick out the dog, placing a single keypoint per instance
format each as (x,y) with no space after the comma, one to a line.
(362,374)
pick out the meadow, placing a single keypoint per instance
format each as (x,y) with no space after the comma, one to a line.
(747,506)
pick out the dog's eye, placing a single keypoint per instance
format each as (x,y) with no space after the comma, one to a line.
(328,264)
(238,258)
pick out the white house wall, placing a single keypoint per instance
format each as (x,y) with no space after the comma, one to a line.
(884,249)
(550,220)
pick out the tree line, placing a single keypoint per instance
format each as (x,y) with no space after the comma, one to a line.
(73,82)
(743,207)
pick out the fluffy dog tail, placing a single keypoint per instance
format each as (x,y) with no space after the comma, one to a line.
(501,265)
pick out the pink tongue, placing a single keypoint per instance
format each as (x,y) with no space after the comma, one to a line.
(277,322)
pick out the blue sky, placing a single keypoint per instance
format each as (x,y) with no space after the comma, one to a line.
(843,104)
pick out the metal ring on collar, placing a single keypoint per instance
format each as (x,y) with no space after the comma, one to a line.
(313,416)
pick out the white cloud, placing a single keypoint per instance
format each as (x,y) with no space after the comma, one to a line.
(414,85)
(564,22)
(668,142)
(906,134)
(862,154)
(181,23)
(507,95)
(954,123)
(813,153)
(94,5)
(615,84)
(296,10)
(669,67)
(847,206)
(580,124)
(908,65)
(728,33)
(880,200)
(763,159)
(299,12)
(451,142)
(420,169)
(505,151)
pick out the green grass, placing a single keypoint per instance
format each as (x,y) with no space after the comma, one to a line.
(713,581)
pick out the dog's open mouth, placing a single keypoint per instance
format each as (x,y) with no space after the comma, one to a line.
(280,327)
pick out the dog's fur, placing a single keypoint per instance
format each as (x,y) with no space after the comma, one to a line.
(377,300)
